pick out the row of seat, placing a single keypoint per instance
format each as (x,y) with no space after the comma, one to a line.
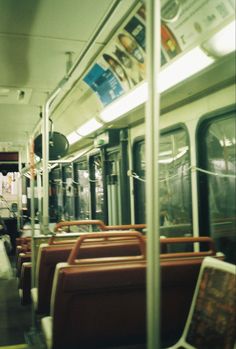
(101,289)
(107,296)
(23,248)
(23,244)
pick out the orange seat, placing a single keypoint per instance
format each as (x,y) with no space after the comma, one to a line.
(57,251)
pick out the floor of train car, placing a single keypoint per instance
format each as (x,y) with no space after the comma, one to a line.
(15,319)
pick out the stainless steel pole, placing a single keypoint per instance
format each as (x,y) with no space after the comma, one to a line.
(19,192)
(45,146)
(152,149)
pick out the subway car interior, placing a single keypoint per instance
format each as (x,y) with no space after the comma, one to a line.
(117,174)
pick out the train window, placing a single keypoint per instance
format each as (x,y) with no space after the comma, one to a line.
(174,187)
(55,195)
(69,208)
(82,190)
(97,188)
(139,185)
(113,188)
(217,186)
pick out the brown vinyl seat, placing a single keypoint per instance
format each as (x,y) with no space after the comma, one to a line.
(91,287)
(101,303)
(58,251)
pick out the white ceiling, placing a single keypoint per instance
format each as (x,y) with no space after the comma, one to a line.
(34,38)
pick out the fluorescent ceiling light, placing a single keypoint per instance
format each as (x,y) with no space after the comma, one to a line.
(73,137)
(187,65)
(89,127)
(184,67)
(223,42)
(125,103)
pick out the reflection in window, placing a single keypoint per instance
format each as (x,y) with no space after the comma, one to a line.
(83,189)
(68,193)
(55,195)
(221,160)
(174,187)
(98,187)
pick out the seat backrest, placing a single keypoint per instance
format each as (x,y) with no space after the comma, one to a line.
(98,305)
(50,255)
(211,320)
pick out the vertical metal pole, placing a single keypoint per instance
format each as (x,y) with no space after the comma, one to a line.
(19,193)
(39,191)
(45,146)
(152,150)
(32,214)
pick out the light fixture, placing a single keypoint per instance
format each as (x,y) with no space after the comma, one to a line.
(184,67)
(73,137)
(89,127)
(4,91)
(223,42)
(125,103)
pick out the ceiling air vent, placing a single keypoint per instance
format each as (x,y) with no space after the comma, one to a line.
(14,95)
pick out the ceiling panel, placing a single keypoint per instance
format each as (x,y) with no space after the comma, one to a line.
(62,19)
(34,38)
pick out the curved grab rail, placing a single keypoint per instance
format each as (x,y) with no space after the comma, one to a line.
(179,240)
(73,257)
(79,222)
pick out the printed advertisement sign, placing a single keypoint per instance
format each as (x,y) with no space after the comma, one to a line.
(122,64)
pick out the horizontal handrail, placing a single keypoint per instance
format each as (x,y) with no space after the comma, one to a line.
(192,240)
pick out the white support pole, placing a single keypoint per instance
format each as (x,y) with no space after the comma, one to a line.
(152,188)
(45,146)
(19,192)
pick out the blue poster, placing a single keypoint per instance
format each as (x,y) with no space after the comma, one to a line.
(104,83)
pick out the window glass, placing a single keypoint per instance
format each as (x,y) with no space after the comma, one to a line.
(139,184)
(174,186)
(97,188)
(68,192)
(55,195)
(99,192)
(221,163)
(83,209)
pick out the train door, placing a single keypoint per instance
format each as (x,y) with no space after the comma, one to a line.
(113,188)
(69,203)
(82,190)
(139,166)
(98,190)
(217,180)
(55,195)
(118,194)
(109,183)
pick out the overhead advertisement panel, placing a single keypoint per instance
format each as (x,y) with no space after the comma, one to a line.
(196,18)
(184,23)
